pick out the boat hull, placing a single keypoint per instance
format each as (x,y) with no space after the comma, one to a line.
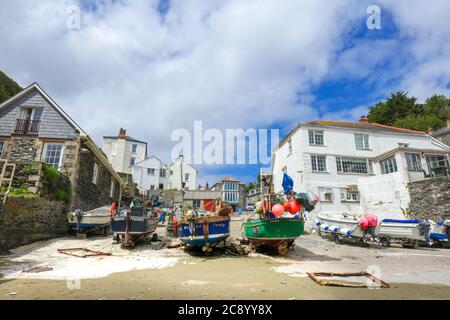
(204,231)
(138,226)
(277,234)
(91,220)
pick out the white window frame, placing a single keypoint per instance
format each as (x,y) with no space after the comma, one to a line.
(315,162)
(132,148)
(187,177)
(95,173)
(340,166)
(161,175)
(45,149)
(362,141)
(289,147)
(347,196)
(413,161)
(151,171)
(312,137)
(389,165)
(131,165)
(2,146)
(323,191)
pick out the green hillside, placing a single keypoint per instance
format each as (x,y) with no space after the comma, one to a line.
(8,87)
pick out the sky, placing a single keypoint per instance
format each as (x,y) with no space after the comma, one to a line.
(154,66)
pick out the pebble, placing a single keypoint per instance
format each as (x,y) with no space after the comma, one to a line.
(13,293)
(282,282)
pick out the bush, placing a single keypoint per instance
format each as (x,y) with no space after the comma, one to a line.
(56,186)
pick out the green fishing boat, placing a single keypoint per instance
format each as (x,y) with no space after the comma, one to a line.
(278,233)
(279,229)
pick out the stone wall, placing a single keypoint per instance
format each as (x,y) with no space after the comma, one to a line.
(87,195)
(22,149)
(430,199)
(25,220)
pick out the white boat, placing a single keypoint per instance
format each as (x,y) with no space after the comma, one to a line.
(338,223)
(90,220)
(344,225)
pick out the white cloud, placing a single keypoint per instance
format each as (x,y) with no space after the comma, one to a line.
(232,64)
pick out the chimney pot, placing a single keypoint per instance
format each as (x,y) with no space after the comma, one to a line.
(364,119)
(122,133)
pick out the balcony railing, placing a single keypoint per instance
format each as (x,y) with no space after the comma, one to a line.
(25,126)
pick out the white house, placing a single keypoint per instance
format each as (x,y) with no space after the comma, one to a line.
(151,174)
(124,152)
(357,167)
(181,171)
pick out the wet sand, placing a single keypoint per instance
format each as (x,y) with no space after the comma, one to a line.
(217,278)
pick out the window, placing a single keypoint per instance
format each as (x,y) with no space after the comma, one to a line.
(319,163)
(354,165)
(187,177)
(161,186)
(435,161)
(362,141)
(326,194)
(388,165)
(2,144)
(132,161)
(163,173)
(347,196)
(52,154)
(134,148)
(171,172)
(403,145)
(289,146)
(95,174)
(231,197)
(316,138)
(413,161)
(152,187)
(111,189)
(230,186)
(151,172)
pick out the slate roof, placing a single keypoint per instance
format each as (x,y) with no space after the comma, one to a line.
(127,138)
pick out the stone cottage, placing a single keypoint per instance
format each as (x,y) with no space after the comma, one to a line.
(34,129)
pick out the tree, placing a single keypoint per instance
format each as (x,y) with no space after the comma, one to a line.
(249,187)
(422,122)
(397,106)
(438,105)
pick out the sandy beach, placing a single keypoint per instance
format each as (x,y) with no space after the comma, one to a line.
(148,273)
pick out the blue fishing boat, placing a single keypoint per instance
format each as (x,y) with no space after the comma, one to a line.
(204,231)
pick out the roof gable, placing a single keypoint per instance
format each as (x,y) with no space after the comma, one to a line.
(51,102)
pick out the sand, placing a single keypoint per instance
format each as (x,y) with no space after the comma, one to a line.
(145,273)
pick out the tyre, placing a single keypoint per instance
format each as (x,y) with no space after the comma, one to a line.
(385,242)
(337,239)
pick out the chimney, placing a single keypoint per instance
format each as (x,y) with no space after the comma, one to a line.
(364,119)
(122,134)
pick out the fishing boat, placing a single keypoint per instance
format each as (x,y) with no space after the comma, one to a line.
(134,223)
(200,229)
(278,233)
(90,221)
(274,232)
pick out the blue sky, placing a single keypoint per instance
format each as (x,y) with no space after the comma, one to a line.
(155,66)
